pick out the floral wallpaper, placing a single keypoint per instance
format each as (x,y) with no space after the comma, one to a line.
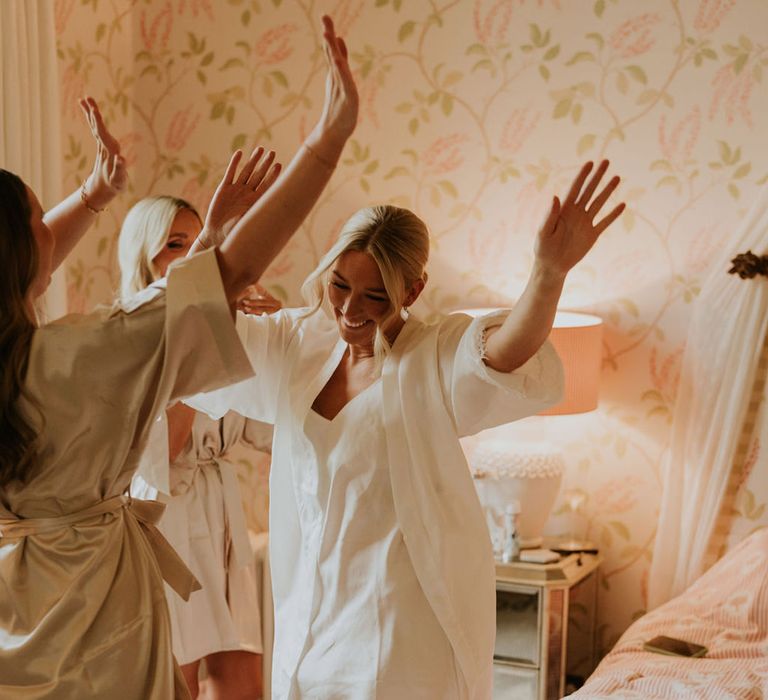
(474,113)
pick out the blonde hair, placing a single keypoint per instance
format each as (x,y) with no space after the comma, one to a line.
(142,236)
(396,239)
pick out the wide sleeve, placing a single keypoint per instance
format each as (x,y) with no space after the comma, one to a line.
(199,349)
(103,379)
(202,347)
(480,397)
(266,339)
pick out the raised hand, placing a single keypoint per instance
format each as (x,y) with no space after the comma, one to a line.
(570,229)
(257,300)
(266,227)
(236,194)
(109,175)
(341,105)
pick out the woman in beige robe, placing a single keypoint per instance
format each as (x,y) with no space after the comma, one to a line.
(82,607)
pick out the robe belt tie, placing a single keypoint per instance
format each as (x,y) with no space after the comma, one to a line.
(146,513)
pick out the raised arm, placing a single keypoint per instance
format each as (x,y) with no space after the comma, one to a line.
(565,238)
(71,218)
(263,231)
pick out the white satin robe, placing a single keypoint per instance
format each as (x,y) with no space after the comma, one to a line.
(82,605)
(205,523)
(435,388)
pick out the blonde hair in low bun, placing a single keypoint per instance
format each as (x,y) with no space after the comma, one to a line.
(396,239)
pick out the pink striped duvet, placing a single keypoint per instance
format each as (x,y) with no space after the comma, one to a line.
(726,610)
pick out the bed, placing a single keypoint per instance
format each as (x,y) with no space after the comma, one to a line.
(726,610)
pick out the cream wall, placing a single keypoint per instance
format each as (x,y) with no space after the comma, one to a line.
(474,113)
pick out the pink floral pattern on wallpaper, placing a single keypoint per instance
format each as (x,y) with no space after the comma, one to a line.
(275,45)
(711,14)
(732,92)
(635,36)
(445,154)
(346,14)
(665,373)
(61,14)
(676,142)
(617,496)
(155,27)
(492,19)
(130,146)
(474,113)
(180,128)
(518,128)
(699,256)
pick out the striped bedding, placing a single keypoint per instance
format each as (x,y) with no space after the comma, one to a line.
(726,610)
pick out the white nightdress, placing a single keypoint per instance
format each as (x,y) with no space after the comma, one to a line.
(373,633)
(205,524)
(434,388)
(82,605)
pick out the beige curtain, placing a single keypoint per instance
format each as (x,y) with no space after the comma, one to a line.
(722,354)
(30,129)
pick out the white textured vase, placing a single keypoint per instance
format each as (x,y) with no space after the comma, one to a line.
(530,474)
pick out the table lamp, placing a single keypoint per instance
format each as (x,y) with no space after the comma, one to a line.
(533,472)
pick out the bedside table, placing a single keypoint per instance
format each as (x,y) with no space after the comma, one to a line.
(532,612)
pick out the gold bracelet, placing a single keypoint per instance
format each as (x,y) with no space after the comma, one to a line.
(84,199)
(324,161)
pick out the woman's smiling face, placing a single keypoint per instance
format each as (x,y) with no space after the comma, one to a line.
(358,297)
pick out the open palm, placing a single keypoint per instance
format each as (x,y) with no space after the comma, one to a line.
(570,231)
(236,194)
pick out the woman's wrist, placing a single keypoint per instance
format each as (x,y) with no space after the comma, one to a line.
(210,237)
(327,163)
(325,147)
(95,200)
(548,275)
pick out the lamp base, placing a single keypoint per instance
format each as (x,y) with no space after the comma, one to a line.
(573,546)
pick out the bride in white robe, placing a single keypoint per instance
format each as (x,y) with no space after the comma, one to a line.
(383,574)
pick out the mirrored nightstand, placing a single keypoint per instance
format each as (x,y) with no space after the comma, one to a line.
(533,602)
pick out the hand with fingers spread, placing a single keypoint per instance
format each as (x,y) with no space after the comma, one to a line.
(570,229)
(109,175)
(236,194)
(565,238)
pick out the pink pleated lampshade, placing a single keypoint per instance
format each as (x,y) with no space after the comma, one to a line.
(578,339)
